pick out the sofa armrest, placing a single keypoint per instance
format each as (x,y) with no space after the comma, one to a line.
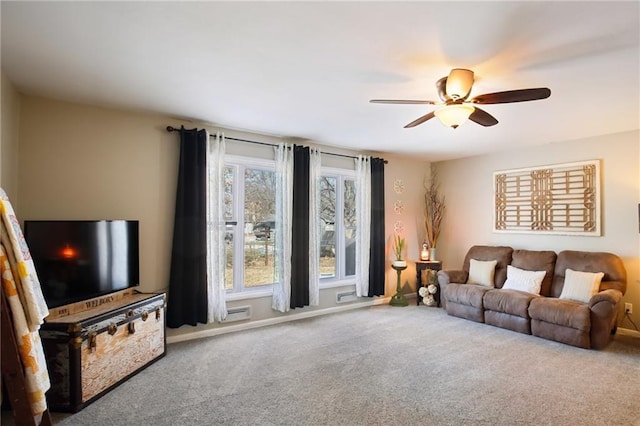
(604,311)
(602,302)
(446,277)
(452,276)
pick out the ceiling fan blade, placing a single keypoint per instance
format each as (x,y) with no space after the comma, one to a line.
(483,118)
(401,101)
(420,120)
(509,96)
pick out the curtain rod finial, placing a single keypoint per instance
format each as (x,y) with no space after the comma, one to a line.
(171,129)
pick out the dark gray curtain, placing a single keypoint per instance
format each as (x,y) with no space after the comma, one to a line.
(376,263)
(300,229)
(187,300)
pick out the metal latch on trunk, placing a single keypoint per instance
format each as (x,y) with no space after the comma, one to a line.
(113,327)
(92,337)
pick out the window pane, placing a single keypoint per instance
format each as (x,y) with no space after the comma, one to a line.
(229,179)
(259,236)
(327,226)
(228,192)
(349,227)
(228,270)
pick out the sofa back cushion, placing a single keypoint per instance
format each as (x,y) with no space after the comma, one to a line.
(534,260)
(501,254)
(615,275)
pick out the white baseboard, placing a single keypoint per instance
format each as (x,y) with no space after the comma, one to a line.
(628,332)
(272,321)
(310,314)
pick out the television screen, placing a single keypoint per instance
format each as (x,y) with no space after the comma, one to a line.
(78,260)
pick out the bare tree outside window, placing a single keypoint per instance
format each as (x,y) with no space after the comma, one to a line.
(350,226)
(327,226)
(259,195)
(229,176)
(259,237)
(228,193)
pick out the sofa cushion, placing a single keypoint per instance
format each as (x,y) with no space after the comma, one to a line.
(561,312)
(615,274)
(520,279)
(482,272)
(580,286)
(465,300)
(537,260)
(466,294)
(511,302)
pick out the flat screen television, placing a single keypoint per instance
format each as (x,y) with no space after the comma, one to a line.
(77,260)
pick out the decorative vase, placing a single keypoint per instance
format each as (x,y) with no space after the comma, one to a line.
(432,254)
(400,263)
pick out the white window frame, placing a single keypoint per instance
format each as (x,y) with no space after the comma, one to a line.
(239,164)
(340,279)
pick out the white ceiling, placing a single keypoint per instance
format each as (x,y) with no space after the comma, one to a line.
(308,69)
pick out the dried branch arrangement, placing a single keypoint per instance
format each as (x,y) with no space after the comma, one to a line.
(434,208)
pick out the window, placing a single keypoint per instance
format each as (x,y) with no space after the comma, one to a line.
(250,208)
(338,226)
(251,236)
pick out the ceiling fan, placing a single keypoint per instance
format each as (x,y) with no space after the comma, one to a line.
(456,108)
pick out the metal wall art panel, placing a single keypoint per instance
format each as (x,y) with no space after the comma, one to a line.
(555,199)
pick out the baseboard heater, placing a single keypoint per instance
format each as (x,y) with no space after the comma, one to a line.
(238,313)
(346,296)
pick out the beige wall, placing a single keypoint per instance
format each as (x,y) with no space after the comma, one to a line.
(80,162)
(467,184)
(83,162)
(9,141)
(404,209)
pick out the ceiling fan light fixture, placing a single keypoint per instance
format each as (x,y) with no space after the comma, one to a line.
(454,115)
(459,83)
(454,90)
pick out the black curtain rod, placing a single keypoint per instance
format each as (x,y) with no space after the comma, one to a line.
(173,129)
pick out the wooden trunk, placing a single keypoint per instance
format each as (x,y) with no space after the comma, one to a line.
(91,352)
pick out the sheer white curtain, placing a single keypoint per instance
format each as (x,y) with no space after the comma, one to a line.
(363,220)
(216,227)
(314,226)
(284,217)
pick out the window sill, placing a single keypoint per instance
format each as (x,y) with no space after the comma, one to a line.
(249,295)
(269,292)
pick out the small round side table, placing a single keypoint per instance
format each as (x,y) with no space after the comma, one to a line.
(398,299)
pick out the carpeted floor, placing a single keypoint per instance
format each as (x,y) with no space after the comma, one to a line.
(378,366)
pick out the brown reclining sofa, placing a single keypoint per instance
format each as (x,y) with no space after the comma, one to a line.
(583,324)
